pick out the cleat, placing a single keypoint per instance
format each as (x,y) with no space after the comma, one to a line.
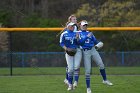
(75,84)
(70,87)
(107,82)
(88,90)
(66,82)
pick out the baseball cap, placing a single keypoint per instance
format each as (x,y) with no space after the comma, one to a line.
(84,23)
(70,24)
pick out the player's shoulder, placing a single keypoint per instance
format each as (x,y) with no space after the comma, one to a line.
(78,31)
(88,31)
(65,32)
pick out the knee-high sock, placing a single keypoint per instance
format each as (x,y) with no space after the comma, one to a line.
(70,78)
(76,75)
(88,81)
(67,73)
(103,73)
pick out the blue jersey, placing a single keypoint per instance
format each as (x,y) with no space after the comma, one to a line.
(85,41)
(68,39)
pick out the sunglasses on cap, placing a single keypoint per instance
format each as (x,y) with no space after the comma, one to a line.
(85,25)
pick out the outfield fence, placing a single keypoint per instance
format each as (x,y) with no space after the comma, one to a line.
(38,62)
(57,59)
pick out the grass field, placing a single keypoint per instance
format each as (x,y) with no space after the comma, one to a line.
(125,80)
(61,71)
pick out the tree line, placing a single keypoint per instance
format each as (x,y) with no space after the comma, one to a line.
(54,13)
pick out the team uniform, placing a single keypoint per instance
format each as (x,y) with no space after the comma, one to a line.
(89,51)
(88,45)
(68,39)
(78,61)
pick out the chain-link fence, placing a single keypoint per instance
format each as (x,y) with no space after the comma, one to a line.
(39,62)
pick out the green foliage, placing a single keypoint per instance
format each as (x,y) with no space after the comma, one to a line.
(113,13)
(99,13)
(37,41)
(5,17)
(36,21)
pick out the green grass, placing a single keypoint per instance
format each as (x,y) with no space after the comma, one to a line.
(61,71)
(32,80)
(54,84)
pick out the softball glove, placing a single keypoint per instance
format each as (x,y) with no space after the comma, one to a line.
(70,51)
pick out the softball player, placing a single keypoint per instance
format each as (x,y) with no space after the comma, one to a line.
(88,43)
(73,19)
(68,40)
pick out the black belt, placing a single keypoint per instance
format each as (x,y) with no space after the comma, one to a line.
(86,49)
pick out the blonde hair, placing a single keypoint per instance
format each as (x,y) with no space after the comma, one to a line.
(69,18)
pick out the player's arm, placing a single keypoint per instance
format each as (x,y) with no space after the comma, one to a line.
(98,44)
(62,44)
(64,47)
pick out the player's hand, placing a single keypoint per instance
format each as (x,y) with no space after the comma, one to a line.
(96,47)
(69,49)
(77,35)
(65,48)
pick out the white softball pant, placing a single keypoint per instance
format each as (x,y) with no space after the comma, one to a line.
(73,62)
(90,55)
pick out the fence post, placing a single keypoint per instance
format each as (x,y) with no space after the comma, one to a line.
(122,58)
(22,62)
(11,54)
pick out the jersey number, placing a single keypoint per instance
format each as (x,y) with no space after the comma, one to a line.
(71,40)
(87,41)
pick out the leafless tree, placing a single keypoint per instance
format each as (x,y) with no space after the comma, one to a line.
(3,40)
